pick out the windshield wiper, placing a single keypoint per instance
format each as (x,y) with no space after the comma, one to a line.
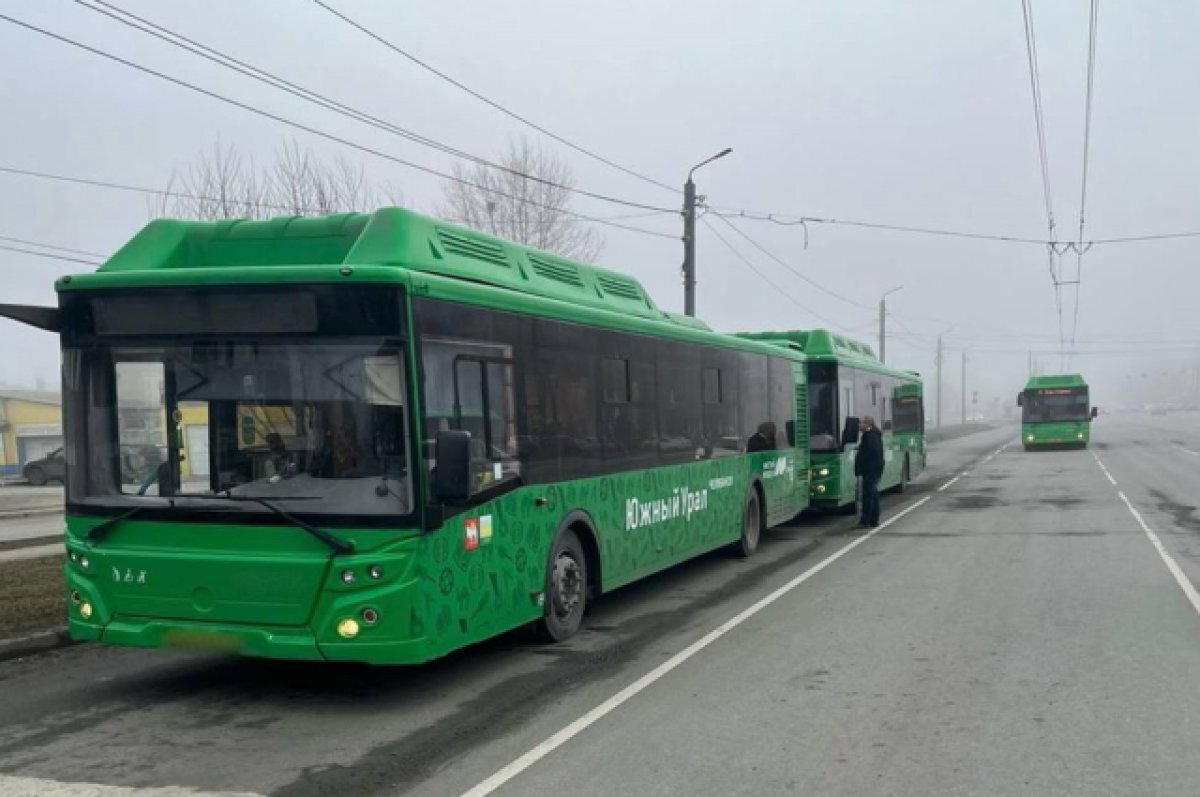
(101,530)
(336,543)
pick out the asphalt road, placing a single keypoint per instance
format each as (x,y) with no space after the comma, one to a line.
(1016,632)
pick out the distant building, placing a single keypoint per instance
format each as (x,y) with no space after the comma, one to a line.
(30,426)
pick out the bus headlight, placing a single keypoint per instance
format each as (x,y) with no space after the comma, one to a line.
(85,610)
(1080,435)
(823,472)
(1029,437)
(820,488)
(347,628)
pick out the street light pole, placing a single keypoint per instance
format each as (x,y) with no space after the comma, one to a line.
(689,236)
(883,322)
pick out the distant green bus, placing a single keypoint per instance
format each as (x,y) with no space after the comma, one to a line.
(1055,412)
(386,437)
(846,381)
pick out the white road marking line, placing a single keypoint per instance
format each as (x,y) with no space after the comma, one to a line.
(947,484)
(1180,578)
(564,735)
(1188,451)
(11,786)
(1111,480)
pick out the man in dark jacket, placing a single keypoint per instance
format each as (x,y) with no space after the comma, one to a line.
(868,465)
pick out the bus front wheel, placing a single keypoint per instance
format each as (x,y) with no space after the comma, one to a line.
(566,590)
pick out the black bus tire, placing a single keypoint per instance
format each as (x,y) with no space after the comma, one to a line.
(566,589)
(752,526)
(904,477)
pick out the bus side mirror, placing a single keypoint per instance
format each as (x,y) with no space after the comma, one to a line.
(850,432)
(1095,411)
(1020,399)
(452,474)
(887,426)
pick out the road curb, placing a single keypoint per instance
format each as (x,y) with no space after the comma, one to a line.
(6,514)
(34,643)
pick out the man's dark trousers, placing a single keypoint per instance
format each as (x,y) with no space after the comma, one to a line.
(870,499)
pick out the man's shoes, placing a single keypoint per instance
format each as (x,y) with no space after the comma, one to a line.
(863,525)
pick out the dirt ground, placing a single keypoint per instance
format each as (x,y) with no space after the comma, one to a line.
(32,596)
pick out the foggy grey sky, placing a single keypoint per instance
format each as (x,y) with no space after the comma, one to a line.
(914,113)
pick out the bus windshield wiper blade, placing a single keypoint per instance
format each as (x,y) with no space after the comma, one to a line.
(336,543)
(101,530)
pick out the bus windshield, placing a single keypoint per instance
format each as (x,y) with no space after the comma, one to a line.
(1062,404)
(314,427)
(822,406)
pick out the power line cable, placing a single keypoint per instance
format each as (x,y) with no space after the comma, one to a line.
(1087,137)
(1039,119)
(335,138)
(794,220)
(28,242)
(50,255)
(1035,85)
(791,268)
(750,264)
(213,55)
(492,103)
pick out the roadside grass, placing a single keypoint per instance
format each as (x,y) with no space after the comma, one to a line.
(32,596)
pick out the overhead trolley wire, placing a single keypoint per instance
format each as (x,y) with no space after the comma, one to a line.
(1087,138)
(492,103)
(793,220)
(1035,87)
(51,255)
(28,242)
(750,264)
(227,61)
(335,138)
(791,268)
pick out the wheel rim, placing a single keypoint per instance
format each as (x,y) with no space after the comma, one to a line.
(750,527)
(567,585)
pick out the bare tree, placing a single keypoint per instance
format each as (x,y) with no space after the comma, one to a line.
(505,203)
(224,185)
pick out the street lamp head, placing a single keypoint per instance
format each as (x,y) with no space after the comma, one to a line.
(720,154)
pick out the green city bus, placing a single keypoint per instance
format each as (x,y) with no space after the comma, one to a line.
(846,381)
(1055,412)
(385,437)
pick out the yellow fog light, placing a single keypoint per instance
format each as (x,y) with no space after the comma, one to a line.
(348,628)
(85,610)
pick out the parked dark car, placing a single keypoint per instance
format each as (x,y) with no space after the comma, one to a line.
(137,464)
(52,467)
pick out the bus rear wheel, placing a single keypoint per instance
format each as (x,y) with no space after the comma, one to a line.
(904,477)
(752,525)
(566,589)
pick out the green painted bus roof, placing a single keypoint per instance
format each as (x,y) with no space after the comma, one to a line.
(394,245)
(169,251)
(824,345)
(1055,380)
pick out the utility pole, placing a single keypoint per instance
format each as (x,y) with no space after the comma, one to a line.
(689,236)
(938,422)
(964,386)
(883,323)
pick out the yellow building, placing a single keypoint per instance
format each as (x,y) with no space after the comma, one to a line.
(30,427)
